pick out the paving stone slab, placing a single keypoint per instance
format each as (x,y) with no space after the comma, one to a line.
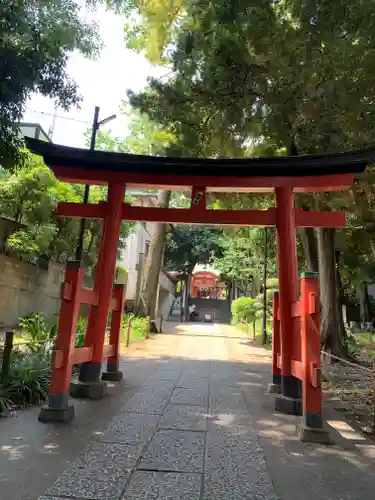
(198,396)
(51,498)
(229,399)
(148,402)
(164,374)
(172,450)
(158,385)
(192,418)
(167,375)
(222,381)
(146,485)
(99,473)
(236,472)
(196,372)
(230,425)
(130,429)
(193,382)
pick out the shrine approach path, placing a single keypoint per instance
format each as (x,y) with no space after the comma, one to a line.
(196,426)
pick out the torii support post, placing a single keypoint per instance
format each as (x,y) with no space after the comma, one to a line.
(90,384)
(58,408)
(289,401)
(311,428)
(113,373)
(275,386)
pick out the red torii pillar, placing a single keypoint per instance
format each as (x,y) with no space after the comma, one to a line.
(289,401)
(91,383)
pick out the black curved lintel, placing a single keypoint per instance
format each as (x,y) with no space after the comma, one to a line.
(353,162)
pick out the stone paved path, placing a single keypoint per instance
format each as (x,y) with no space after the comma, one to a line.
(200,428)
(187,432)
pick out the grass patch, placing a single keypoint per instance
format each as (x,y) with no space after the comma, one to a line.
(366,344)
(140,328)
(258,338)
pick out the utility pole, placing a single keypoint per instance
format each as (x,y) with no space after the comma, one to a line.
(95,127)
(52,127)
(265,336)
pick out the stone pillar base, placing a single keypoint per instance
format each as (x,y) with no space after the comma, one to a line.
(48,414)
(312,435)
(90,390)
(289,406)
(274,388)
(112,376)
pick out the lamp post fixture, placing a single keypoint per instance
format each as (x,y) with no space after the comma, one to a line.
(95,127)
(265,336)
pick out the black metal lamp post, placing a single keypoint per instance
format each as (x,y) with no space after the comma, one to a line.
(95,127)
(265,336)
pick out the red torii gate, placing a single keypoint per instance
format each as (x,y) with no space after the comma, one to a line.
(296,340)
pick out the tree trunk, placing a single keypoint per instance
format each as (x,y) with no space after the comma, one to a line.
(341,294)
(154,259)
(310,249)
(332,332)
(364,305)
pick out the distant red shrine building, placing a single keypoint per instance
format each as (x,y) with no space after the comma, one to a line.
(206,284)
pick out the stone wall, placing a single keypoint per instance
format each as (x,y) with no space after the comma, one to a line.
(25,288)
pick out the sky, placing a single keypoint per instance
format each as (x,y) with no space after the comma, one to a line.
(102,83)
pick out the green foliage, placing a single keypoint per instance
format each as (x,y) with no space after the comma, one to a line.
(30,371)
(259,306)
(243,310)
(23,245)
(81,324)
(38,333)
(351,346)
(29,380)
(36,39)
(80,339)
(187,246)
(5,398)
(144,136)
(140,327)
(29,197)
(121,274)
(81,331)
(35,328)
(242,258)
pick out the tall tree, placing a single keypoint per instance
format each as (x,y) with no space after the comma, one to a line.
(36,38)
(187,246)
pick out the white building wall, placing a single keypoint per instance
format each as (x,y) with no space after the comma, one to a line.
(135,244)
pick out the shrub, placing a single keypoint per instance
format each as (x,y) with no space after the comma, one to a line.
(81,331)
(35,328)
(5,398)
(30,371)
(351,346)
(29,380)
(140,326)
(38,333)
(243,310)
(259,306)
